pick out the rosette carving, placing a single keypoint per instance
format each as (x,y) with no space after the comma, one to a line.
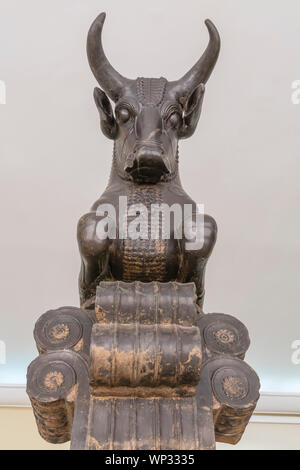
(64,328)
(223,334)
(235,392)
(53,382)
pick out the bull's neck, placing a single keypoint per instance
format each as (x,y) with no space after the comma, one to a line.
(117,178)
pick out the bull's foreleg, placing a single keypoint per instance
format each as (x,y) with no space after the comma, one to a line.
(94,256)
(194,258)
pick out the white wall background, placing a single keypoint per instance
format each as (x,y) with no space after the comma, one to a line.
(242,163)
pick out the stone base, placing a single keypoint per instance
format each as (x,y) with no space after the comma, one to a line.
(147,370)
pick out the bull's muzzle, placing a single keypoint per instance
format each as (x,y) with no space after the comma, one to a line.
(147,163)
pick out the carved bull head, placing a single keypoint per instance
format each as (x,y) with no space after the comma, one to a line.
(151,114)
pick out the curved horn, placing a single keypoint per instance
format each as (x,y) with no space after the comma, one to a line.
(108,78)
(201,71)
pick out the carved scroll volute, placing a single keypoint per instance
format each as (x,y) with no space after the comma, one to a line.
(64,328)
(58,379)
(235,392)
(232,384)
(223,334)
(145,360)
(53,380)
(146,342)
(158,302)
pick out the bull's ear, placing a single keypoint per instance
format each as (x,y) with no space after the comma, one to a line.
(108,123)
(192,110)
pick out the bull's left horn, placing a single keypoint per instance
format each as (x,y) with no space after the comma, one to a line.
(201,71)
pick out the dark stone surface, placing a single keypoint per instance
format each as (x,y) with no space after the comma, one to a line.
(140,365)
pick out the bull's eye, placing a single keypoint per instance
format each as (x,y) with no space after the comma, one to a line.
(174,119)
(123,114)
